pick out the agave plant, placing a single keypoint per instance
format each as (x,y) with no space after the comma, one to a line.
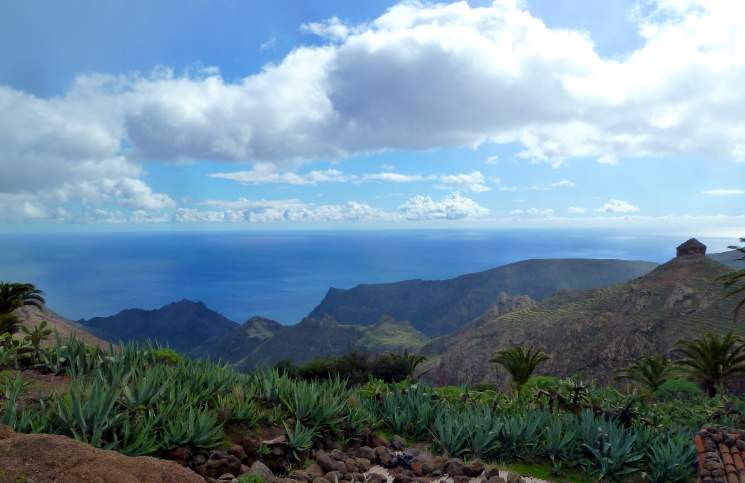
(317,405)
(610,449)
(10,415)
(672,459)
(561,443)
(520,362)
(409,412)
(237,406)
(87,413)
(450,435)
(299,439)
(193,427)
(139,437)
(484,431)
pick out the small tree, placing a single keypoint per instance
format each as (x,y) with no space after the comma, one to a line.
(650,372)
(712,359)
(14,296)
(734,282)
(520,362)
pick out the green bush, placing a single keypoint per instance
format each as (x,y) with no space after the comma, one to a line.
(678,390)
(166,356)
(545,383)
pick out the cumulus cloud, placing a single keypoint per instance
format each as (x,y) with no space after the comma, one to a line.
(420,76)
(474,181)
(244,210)
(724,192)
(578,210)
(452,207)
(618,206)
(267,173)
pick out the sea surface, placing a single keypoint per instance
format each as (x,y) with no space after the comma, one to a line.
(280,275)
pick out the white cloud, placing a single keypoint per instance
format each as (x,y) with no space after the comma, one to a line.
(392,177)
(577,210)
(492,160)
(420,76)
(533,212)
(474,181)
(244,210)
(618,206)
(268,173)
(564,183)
(452,207)
(723,192)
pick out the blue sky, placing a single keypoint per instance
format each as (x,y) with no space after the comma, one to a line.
(285,114)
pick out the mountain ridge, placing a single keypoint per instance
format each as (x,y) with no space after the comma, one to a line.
(438,307)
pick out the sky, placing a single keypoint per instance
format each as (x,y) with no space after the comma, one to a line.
(225,114)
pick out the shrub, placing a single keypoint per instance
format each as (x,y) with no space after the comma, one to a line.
(546,383)
(166,356)
(678,390)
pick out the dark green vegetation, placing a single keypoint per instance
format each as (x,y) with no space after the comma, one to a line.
(312,339)
(182,325)
(356,368)
(520,362)
(14,296)
(594,333)
(438,307)
(148,401)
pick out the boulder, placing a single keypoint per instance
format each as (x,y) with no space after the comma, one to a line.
(366,452)
(325,461)
(473,469)
(261,470)
(454,467)
(180,455)
(219,463)
(514,478)
(47,457)
(398,443)
(315,470)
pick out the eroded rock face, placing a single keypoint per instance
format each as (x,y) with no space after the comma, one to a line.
(47,457)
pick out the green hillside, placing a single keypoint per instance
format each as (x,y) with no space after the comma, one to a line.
(595,333)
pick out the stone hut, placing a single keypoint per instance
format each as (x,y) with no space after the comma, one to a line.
(692,247)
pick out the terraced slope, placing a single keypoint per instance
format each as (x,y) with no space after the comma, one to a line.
(594,333)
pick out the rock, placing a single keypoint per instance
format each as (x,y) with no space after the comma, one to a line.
(398,443)
(238,451)
(377,440)
(315,470)
(375,478)
(514,478)
(351,465)
(261,470)
(334,475)
(219,462)
(473,469)
(180,455)
(417,468)
(454,467)
(495,479)
(325,461)
(461,479)
(492,472)
(337,455)
(47,457)
(301,475)
(384,457)
(250,443)
(366,452)
(244,469)
(199,459)
(363,464)
(320,479)
(226,476)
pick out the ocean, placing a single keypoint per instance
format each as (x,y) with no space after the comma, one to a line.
(281,275)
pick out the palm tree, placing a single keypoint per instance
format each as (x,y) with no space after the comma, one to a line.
(712,359)
(650,372)
(14,296)
(520,362)
(734,282)
(411,362)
